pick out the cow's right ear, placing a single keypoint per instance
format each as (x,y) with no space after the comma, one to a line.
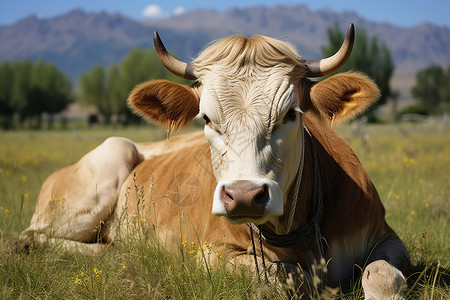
(338,98)
(164,102)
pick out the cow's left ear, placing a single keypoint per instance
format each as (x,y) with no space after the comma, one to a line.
(165,102)
(343,96)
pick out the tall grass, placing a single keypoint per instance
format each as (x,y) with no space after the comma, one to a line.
(409,164)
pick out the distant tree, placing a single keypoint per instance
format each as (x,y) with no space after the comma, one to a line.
(432,89)
(93,91)
(368,56)
(21,89)
(115,90)
(6,105)
(445,91)
(50,91)
(29,90)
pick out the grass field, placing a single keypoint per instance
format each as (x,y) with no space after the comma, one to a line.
(409,164)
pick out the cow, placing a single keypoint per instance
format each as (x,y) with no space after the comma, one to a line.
(268,166)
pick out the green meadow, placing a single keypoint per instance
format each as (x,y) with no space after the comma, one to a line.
(409,164)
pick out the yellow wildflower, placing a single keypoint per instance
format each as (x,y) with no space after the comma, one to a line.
(7,212)
(79,278)
(24,178)
(408,161)
(97,272)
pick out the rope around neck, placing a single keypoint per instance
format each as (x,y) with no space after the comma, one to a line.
(297,183)
(254,255)
(262,256)
(317,198)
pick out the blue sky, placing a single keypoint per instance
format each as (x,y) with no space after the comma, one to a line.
(403,13)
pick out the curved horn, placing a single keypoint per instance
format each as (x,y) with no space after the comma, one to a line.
(179,68)
(325,66)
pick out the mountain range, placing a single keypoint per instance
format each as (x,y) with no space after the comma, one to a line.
(76,41)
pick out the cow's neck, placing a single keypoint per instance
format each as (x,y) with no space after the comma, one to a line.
(305,231)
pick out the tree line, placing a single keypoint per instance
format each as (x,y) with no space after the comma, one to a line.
(29,90)
(107,88)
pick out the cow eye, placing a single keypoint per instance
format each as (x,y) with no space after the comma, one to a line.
(290,116)
(207,121)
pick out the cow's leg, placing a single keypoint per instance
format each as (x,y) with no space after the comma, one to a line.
(69,245)
(384,276)
(75,201)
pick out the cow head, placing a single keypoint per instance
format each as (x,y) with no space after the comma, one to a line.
(252,93)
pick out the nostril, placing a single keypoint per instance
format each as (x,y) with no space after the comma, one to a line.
(263,197)
(227,195)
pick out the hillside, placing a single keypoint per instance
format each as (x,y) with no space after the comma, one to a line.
(76,41)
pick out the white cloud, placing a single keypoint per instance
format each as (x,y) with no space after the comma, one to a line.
(152,11)
(179,10)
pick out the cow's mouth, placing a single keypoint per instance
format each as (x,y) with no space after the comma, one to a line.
(260,219)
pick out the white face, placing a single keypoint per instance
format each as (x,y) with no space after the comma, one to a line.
(254,131)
